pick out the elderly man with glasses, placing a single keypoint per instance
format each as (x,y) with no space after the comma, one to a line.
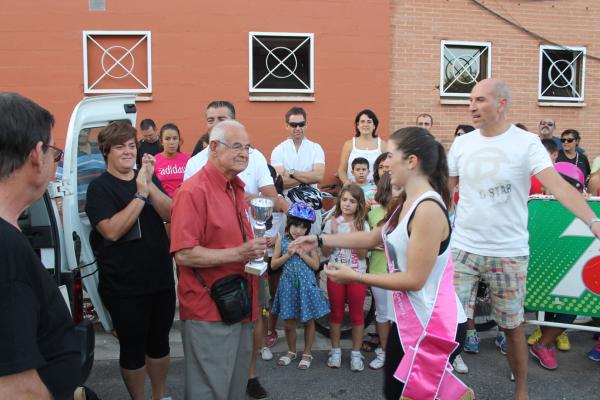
(212,239)
(39,350)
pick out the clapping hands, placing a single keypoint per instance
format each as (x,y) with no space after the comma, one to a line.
(144,177)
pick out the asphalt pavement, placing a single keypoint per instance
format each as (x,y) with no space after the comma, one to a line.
(576,377)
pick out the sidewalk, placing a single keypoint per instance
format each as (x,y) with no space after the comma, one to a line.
(107,346)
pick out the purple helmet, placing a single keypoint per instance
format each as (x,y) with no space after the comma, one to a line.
(301,210)
(571,173)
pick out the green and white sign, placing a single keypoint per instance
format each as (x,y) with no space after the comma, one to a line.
(564,264)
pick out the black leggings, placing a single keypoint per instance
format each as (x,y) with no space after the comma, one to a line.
(392,388)
(142,324)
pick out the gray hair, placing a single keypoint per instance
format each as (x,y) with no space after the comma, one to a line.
(219,131)
(502,90)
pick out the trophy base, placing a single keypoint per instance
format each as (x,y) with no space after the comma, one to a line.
(256,268)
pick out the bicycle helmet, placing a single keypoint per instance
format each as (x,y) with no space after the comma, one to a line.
(571,173)
(306,194)
(303,211)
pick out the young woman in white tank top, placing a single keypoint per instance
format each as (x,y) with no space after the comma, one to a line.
(365,144)
(417,236)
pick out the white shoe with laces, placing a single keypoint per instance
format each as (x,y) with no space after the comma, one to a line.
(460,366)
(335,358)
(379,360)
(356,361)
(266,354)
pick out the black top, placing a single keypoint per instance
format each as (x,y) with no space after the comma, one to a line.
(197,147)
(147,148)
(36,329)
(132,265)
(579,160)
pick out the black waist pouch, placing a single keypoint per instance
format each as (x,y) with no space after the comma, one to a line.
(231,296)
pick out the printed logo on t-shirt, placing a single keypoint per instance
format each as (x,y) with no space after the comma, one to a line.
(172,169)
(484,173)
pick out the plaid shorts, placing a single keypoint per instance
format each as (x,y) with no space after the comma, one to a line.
(506,278)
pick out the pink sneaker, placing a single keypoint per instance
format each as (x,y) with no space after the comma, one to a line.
(545,355)
(271,338)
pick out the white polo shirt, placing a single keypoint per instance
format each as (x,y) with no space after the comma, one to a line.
(286,156)
(255,176)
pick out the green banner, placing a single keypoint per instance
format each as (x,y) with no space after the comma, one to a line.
(564,264)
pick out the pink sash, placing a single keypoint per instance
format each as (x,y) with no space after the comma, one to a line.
(425,369)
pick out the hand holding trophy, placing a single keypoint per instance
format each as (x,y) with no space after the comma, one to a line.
(262,209)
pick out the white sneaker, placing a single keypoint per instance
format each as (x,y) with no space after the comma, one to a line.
(460,366)
(335,358)
(266,354)
(379,360)
(356,361)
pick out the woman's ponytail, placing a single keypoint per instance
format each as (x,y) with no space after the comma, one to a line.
(438,179)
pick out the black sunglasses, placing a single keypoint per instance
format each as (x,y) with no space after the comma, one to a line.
(546,123)
(297,124)
(58,153)
(567,140)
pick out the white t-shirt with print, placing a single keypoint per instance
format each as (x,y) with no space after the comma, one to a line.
(255,176)
(494,180)
(346,256)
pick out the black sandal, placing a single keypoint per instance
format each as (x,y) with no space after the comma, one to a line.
(370,344)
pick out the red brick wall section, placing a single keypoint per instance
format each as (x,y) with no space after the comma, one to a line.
(418,26)
(200,53)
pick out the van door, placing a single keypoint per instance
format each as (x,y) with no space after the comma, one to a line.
(83,162)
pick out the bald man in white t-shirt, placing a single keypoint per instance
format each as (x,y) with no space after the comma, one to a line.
(494,164)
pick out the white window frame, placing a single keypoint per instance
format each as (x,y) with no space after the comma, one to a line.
(583,55)
(309,36)
(443,44)
(88,87)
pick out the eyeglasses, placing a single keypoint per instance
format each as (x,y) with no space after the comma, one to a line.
(547,123)
(567,140)
(297,124)
(58,153)
(237,147)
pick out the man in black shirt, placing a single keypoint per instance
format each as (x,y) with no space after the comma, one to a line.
(39,352)
(150,144)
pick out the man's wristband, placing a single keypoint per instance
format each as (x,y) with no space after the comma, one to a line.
(319,241)
(592,221)
(140,196)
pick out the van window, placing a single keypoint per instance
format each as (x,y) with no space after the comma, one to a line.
(90,162)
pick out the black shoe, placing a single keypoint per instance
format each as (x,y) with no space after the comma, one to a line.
(255,389)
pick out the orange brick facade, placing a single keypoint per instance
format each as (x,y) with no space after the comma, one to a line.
(418,27)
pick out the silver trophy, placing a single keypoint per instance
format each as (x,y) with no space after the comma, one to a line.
(261,211)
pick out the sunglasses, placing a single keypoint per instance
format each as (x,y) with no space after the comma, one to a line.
(546,123)
(58,153)
(567,140)
(297,124)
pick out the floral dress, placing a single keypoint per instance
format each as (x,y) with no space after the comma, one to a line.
(298,296)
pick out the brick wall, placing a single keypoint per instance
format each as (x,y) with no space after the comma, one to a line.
(418,26)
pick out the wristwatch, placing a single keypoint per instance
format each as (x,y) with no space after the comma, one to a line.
(592,221)
(291,172)
(140,196)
